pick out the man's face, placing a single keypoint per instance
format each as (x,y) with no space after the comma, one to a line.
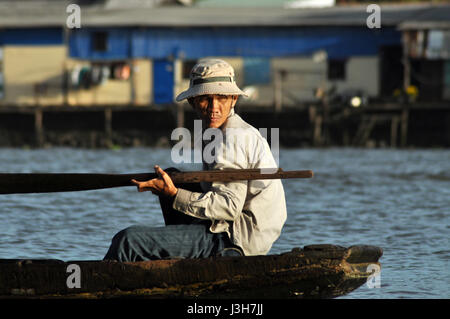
(214,109)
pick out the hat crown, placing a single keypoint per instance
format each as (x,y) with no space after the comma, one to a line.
(211,68)
(211,76)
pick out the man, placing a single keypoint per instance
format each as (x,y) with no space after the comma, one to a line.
(219,218)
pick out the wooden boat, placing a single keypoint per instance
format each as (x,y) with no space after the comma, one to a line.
(316,271)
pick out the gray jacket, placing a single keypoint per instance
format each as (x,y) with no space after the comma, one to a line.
(251,212)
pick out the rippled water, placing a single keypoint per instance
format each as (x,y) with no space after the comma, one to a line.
(396,199)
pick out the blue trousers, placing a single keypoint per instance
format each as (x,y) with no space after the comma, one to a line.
(182,237)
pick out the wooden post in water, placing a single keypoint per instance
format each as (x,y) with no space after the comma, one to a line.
(345,134)
(108,126)
(38,126)
(316,124)
(38,121)
(394,130)
(406,83)
(180,115)
(318,131)
(278,90)
(326,120)
(404,126)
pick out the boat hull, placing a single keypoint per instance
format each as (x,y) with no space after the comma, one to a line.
(316,271)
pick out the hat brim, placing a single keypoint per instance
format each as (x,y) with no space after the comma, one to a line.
(224,88)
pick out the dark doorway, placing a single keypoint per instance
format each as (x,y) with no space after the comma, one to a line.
(427,75)
(391,70)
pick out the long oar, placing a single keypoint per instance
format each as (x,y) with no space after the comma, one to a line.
(11,183)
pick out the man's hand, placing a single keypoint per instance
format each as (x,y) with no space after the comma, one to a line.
(162,185)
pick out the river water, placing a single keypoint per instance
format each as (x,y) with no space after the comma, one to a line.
(396,199)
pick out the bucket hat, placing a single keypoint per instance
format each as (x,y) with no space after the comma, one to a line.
(211,76)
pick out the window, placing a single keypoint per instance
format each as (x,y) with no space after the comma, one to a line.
(336,69)
(100,41)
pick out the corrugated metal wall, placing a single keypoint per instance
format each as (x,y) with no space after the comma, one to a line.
(118,43)
(193,43)
(32,36)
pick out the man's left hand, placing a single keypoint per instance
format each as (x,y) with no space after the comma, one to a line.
(162,185)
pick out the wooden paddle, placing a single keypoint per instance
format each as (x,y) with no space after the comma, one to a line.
(11,183)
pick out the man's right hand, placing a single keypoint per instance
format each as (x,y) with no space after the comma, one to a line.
(163,185)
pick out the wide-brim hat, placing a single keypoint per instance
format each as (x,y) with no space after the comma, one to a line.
(211,76)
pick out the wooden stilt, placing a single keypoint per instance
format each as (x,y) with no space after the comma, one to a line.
(404,126)
(108,126)
(39,127)
(364,130)
(180,115)
(326,122)
(278,91)
(312,110)
(346,135)
(394,130)
(317,136)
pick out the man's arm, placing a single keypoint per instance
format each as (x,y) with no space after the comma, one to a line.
(223,202)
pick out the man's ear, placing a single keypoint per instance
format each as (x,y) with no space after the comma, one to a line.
(235,98)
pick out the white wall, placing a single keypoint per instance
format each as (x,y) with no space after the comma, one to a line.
(304,75)
(361,73)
